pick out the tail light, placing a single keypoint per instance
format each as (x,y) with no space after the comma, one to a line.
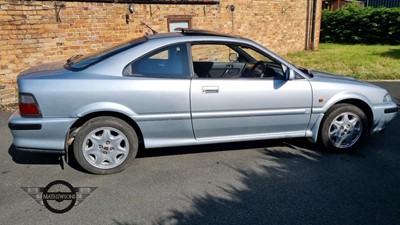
(28,106)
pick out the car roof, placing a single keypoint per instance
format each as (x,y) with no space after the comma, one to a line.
(190,32)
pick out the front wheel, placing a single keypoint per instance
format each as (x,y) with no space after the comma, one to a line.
(105,145)
(343,128)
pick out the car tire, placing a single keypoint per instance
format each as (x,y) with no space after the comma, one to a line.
(343,128)
(105,145)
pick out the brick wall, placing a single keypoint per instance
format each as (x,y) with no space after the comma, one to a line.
(30,34)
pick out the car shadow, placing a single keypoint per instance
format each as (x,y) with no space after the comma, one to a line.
(34,158)
(296,143)
(22,157)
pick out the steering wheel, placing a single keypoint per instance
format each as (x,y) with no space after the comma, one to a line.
(256,65)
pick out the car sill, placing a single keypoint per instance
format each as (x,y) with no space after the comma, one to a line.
(52,151)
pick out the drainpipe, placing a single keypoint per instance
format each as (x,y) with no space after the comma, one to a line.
(306,45)
(232,9)
(313,23)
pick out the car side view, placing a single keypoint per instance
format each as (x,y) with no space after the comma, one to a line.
(187,88)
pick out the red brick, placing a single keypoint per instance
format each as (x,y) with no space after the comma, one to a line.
(35,36)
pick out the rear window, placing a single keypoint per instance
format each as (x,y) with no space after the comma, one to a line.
(80,62)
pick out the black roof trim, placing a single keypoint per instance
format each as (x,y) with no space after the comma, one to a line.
(188,32)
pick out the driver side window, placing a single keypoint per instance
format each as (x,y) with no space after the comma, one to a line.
(212,61)
(262,66)
(221,61)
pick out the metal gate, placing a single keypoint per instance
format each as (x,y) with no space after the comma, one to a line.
(385,3)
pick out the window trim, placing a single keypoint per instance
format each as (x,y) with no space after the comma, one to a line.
(179,18)
(232,43)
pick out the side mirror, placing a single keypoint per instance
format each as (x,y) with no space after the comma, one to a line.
(233,57)
(290,74)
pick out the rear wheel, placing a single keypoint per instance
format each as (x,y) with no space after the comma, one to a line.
(105,145)
(343,128)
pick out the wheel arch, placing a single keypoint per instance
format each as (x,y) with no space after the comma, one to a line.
(324,130)
(361,105)
(316,131)
(82,120)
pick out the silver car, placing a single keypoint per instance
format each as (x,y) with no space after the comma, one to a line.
(187,88)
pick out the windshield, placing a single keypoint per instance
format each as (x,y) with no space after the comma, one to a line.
(80,62)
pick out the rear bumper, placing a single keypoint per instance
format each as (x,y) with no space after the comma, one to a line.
(39,134)
(383,115)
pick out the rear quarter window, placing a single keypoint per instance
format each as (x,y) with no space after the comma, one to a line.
(78,62)
(167,62)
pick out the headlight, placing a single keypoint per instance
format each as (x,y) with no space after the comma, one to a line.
(387,98)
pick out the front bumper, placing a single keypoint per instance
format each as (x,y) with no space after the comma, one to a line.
(383,115)
(39,134)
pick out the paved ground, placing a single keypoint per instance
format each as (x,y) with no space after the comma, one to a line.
(268,182)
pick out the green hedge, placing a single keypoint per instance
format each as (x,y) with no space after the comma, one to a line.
(361,25)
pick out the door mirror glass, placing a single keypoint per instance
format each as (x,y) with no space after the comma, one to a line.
(290,74)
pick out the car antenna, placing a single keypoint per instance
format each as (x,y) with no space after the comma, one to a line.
(144,24)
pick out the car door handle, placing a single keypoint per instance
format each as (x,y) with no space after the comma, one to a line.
(209,89)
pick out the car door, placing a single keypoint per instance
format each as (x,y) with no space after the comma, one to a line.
(159,85)
(248,106)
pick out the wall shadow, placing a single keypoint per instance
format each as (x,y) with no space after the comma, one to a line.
(392,53)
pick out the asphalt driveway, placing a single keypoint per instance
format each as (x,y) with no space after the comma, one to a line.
(266,182)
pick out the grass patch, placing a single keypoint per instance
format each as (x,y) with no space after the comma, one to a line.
(366,62)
